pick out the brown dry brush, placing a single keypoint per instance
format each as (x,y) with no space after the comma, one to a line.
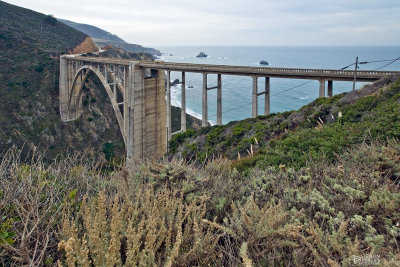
(32,197)
(155,229)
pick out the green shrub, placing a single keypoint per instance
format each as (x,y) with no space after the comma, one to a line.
(108,150)
(178,139)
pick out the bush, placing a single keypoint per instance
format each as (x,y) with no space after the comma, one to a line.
(108,150)
(51,20)
(153,229)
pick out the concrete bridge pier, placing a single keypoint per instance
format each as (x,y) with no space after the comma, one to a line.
(322,88)
(205,99)
(168,103)
(267,105)
(183,103)
(145,97)
(219,100)
(254,105)
(255,95)
(330,88)
(204,121)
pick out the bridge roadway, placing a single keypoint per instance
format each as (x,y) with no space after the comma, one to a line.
(293,73)
(321,75)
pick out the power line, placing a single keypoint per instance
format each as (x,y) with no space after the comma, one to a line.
(372,61)
(394,60)
(278,93)
(289,89)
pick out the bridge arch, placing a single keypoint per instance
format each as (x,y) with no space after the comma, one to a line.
(138,100)
(76,92)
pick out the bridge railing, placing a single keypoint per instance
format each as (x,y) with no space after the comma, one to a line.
(240,70)
(246,70)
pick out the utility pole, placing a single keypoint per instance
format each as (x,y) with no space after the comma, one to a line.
(355,74)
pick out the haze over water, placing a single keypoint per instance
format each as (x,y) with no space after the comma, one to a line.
(236,90)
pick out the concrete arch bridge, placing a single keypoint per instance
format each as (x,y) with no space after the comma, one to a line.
(142,101)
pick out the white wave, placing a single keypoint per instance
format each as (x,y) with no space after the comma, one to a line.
(304,97)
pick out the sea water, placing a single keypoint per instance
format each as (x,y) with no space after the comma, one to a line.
(286,94)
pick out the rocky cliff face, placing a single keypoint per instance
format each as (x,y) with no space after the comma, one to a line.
(87,46)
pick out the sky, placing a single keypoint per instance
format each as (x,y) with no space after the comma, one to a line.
(234,22)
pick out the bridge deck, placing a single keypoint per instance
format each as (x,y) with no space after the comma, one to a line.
(294,73)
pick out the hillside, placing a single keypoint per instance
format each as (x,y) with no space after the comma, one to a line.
(92,31)
(282,138)
(315,194)
(103,38)
(31,44)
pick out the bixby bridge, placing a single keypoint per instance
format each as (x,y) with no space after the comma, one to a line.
(142,102)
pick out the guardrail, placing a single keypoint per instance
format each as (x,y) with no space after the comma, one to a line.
(241,70)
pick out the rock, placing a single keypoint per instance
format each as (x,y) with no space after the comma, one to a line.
(263,62)
(175,82)
(202,54)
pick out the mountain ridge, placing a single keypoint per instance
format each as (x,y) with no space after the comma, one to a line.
(104,38)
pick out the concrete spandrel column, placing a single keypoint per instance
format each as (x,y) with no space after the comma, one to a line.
(219,100)
(204,122)
(63,89)
(115,86)
(254,105)
(125,99)
(183,105)
(330,88)
(168,100)
(129,115)
(322,88)
(267,104)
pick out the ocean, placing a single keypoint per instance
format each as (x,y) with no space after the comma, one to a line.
(286,94)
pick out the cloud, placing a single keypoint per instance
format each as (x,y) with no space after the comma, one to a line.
(224,22)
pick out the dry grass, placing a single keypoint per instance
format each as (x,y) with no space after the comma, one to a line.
(71,213)
(152,229)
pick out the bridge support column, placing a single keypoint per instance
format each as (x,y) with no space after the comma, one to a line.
(204,122)
(321,88)
(267,96)
(115,84)
(183,105)
(330,88)
(168,100)
(134,123)
(219,100)
(64,89)
(254,106)
(146,129)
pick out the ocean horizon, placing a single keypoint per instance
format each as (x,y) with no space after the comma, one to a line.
(286,94)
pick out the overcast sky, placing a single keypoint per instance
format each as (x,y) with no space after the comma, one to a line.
(235,22)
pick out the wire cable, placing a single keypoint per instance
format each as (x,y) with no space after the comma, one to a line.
(291,88)
(393,61)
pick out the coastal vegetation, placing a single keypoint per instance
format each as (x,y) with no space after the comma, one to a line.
(319,130)
(326,194)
